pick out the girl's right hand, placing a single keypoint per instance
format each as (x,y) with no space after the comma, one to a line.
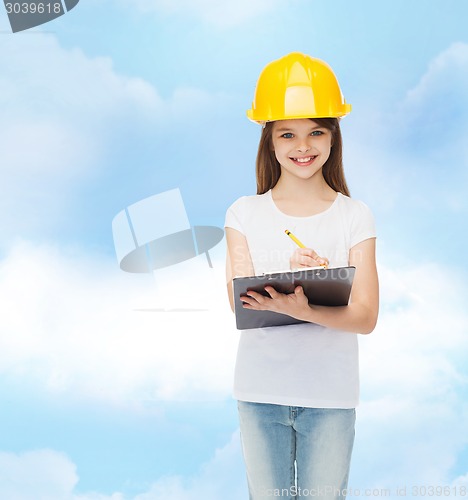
(306,257)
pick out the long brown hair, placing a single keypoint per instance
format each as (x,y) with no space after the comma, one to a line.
(268,169)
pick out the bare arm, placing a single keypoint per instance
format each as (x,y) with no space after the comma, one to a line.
(360,316)
(238,260)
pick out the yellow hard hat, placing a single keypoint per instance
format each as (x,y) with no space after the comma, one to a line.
(297,86)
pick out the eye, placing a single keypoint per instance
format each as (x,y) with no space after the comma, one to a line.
(316,133)
(287,135)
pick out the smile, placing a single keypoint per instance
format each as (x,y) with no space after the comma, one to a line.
(305,160)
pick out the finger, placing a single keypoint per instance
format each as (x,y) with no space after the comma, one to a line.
(315,260)
(249,303)
(246,305)
(309,262)
(258,298)
(309,252)
(272,292)
(246,300)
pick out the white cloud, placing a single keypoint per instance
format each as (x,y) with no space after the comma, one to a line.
(36,475)
(411,423)
(423,324)
(77,325)
(461,482)
(41,475)
(432,122)
(50,475)
(54,98)
(218,478)
(59,112)
(437,108)
(221,14)
(63,116)
(412,155)
(441,92)
(92,332)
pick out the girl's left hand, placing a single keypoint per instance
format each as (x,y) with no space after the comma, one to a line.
(293,304)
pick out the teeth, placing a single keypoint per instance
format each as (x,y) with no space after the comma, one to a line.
(303,160)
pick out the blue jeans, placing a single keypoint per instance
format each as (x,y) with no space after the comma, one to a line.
(292,452)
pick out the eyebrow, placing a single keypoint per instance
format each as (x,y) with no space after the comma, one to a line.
(285,129)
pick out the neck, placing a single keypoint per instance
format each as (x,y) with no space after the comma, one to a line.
(300,189)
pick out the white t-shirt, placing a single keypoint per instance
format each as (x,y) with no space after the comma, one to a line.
(305,364)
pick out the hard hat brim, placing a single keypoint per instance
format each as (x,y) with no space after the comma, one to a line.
(252,116)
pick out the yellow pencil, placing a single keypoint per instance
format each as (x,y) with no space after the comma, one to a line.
(299,243)
(296,241)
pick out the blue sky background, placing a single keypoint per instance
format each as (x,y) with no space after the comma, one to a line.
(105,399)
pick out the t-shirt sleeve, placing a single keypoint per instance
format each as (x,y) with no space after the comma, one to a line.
(362,225)
(234,216)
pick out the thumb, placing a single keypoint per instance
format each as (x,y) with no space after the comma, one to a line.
(298,291)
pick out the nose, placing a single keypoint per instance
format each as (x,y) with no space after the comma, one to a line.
(303,146)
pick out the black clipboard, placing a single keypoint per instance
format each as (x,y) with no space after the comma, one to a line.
(325,287)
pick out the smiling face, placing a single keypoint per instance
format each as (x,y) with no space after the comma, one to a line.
(301,146)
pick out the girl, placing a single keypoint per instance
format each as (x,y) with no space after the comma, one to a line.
(297,386)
